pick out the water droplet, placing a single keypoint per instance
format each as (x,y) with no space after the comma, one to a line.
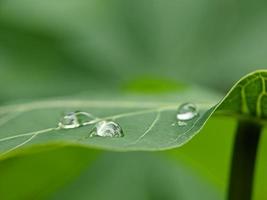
(182,123)
(69,121)
(75,120)
(186,112)
(107,129)
(179,123)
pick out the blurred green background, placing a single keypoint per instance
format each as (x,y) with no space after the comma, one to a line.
(61,48)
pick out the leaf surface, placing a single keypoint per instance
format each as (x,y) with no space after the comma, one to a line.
(149,123)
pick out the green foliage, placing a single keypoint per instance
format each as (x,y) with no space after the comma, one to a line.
(72,46)
(148,125)
(136,61)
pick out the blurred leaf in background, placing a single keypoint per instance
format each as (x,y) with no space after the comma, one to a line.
(59,47)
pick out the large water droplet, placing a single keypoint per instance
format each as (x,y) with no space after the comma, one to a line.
(107,129)
(186,112)
(75,120)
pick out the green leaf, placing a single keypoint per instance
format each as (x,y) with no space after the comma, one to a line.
(248,97)
(146,121)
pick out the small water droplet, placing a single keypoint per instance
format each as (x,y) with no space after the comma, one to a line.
(75,120)
(186,112)
(182,123)
(107,129)
(179,123)
(69,121)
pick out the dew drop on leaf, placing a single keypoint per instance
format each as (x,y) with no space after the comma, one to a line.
(181,123)
(107,129)
(75,120)
(69,121)
(186,112)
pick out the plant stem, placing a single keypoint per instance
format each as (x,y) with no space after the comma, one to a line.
(243,161)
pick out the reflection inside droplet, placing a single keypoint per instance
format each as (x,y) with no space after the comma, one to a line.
(107,129)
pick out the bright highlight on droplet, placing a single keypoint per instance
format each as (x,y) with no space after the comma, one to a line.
(107,129)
